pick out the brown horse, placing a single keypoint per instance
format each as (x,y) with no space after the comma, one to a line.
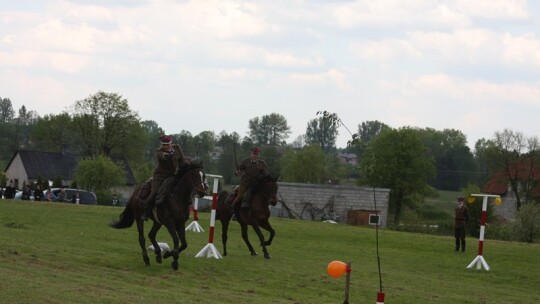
(264,194)
(173,213)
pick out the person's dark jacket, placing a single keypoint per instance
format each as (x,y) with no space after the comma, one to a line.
(10,192)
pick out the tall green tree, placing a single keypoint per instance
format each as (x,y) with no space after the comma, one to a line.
(323,132)
(454,162)
(308,165)
(269,129)
(7,114)
(99,173)
(517,156)
(53,133)
(227,161)
(8,142)
(102,121)
(305,165)
(367,130)
(396,159)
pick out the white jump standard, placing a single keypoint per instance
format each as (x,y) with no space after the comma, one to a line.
(479,260)
(210,249)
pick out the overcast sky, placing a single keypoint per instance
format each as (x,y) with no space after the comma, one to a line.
(214,65)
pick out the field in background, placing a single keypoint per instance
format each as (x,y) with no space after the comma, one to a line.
(62,253)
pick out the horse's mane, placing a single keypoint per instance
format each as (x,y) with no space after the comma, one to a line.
(263,179)
(187,166)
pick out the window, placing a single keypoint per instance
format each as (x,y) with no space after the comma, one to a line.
(374,219)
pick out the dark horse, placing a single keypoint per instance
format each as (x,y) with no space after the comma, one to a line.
(173,213)
(264,194)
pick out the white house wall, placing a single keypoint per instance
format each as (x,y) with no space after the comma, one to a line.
(16,171)
(300,198)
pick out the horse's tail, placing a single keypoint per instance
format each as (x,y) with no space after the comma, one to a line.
(126,218)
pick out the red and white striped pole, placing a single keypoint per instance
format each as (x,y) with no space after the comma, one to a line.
(380,297)
(194,226)
(479,260)
(210,250)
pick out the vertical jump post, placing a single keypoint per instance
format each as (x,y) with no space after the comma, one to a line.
(479,260)
(210,249)
(194,226)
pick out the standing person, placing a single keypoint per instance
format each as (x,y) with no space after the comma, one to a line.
(62,195)
(75,198)
(26,193)
(461,220)
(251,169)
(168,157)
(38,193)
(10,191)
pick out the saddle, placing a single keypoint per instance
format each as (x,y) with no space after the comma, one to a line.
(146,188)
(232,196)
(165,190)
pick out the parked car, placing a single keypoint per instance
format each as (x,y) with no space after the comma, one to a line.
(85,197)
(18,195)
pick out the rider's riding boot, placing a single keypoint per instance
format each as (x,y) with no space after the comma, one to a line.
(245,199)
(463,246)
(149,205)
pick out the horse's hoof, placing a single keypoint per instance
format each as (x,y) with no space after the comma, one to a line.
(267,256)
(159,259)
(253,253)
(167,254)
(174,265)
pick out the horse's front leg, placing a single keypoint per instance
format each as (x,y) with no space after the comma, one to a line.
(142,241)
(266,226)
(175,252)
(244,228)
(261,239)
(152,236)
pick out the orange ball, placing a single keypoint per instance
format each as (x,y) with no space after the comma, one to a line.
(336,269)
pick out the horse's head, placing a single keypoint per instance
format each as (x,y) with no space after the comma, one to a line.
(192,174)
(270,188)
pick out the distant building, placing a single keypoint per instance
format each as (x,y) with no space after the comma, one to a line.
(499,184)
(27,166)
(348,158)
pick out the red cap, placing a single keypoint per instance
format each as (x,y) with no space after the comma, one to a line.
(255,151)
(165,139)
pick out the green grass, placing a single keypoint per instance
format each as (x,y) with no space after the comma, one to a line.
(63,253)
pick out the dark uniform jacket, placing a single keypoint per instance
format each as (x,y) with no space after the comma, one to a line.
(167,162)
(252,170)
(462,216)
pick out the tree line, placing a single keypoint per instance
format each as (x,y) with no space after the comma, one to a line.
(410,161)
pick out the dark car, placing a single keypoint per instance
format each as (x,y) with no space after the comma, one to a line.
(85,197)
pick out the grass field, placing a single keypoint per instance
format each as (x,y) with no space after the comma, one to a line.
(63,253)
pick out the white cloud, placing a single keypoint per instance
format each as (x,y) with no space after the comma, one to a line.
(493,9)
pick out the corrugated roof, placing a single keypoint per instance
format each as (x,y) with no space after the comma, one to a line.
(48,164)
(498,183)
(52,165)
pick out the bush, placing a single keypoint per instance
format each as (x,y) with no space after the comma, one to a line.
(528,226)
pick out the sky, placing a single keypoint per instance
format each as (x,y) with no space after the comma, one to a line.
(213,65)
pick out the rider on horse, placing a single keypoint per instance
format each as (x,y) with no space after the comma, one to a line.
(169,156)
(251,169)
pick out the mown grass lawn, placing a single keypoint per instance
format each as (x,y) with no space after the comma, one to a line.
(63,253)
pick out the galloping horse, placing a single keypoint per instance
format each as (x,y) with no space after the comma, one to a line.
(173,214)
(264,194)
